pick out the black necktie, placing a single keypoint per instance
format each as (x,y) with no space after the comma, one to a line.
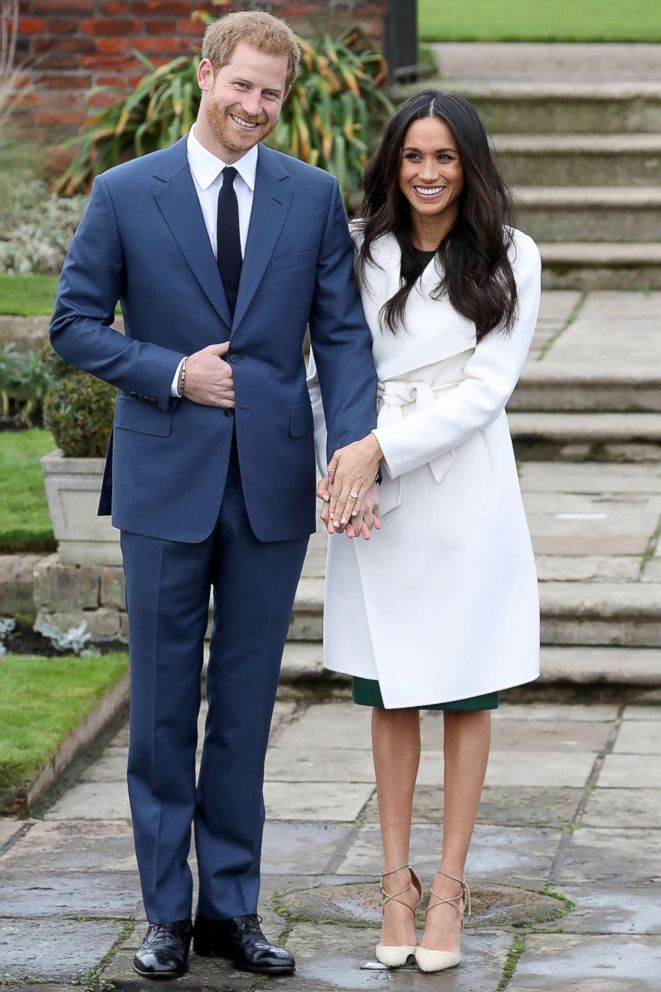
(229,240)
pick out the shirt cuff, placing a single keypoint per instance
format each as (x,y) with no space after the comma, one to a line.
(173,388)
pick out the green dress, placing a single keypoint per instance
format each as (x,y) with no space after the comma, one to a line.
(366,692)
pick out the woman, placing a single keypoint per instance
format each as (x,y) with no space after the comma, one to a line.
(439,609)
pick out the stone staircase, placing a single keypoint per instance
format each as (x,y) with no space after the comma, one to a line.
(585,163)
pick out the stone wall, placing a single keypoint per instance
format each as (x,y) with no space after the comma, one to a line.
(70,46)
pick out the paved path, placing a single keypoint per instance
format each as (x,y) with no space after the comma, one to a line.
(518,62)
(571,806)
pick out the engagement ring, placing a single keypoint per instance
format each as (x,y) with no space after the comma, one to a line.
(353,494)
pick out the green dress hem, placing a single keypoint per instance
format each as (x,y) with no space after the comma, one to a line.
(367,692)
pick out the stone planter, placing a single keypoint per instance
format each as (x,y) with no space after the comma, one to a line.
(72,489)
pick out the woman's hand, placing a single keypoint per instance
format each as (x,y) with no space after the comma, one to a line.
(367,517)
(351,472)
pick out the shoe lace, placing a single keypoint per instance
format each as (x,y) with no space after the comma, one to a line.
(159,933)
(252,924)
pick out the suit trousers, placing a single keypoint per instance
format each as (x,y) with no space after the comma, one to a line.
(167,591)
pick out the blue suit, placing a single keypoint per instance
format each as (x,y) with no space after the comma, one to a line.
(207,498)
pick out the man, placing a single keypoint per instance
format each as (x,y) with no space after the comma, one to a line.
(212,474)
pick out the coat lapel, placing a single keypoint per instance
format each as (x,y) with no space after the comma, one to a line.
(178,202)
(269,209)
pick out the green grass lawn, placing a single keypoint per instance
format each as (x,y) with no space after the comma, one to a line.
(28,295)
(41,701)
(563,20)
(24,521)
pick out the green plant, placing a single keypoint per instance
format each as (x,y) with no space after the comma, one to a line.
(36,227)
(327,120)
(24,519)
(24,379)
(78,410)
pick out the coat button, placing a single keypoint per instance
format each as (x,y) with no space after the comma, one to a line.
(234,359)
(229,412)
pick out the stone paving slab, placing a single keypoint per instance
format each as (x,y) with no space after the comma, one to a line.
(568,963)
(8,829)
(32,951)
(637,771)
(554,712)
(543,768)
(643,737)
(92,801)
(26,895)
(302,849)
(625,808)
(315,801)
(68,845)
(614,856)
(588,568)
(521,854)
(601,909)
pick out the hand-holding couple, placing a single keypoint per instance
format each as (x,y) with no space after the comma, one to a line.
(349,493)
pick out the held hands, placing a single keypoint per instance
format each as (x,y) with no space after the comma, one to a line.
(351,472)
(362,520)
(209,377)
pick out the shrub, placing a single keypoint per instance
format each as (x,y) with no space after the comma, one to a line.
(36,228)
(327,120)
(24,379)
(78,411)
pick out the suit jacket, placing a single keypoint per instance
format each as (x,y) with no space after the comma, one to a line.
(143,241)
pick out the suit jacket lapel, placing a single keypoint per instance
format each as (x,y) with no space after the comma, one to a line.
(269,209)
(178,202)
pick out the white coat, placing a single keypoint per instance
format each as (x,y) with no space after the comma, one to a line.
(442,603)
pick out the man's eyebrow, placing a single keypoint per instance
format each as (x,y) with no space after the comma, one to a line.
(272,89)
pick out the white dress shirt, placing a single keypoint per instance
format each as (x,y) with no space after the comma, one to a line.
(206,170)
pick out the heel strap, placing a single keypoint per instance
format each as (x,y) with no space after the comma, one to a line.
(464,895)
(393,896)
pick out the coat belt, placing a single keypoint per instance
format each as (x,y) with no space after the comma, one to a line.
(395,394)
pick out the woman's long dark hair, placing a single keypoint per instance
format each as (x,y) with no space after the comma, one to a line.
(476,272)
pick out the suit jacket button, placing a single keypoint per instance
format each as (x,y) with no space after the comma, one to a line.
(229,412)
(234,359)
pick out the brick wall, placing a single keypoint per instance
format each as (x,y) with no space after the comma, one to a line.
(69,46)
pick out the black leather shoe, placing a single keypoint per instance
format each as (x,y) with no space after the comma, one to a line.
(241,940)
(164,951)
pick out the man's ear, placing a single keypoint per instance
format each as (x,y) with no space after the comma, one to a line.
(205,75)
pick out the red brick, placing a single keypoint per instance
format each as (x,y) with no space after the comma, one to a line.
(114,7)
(30,98)
(171,44)
(58,7)
(59,62)
(114,63)
(159,25)
(62,25)
(190,27)
(103,99)
(51,117)
(114,45)
(55,45)
(161,8)
(104,26)
(115,79)
(64,81)
(31,25)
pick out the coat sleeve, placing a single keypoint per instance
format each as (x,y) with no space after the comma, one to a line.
(340,338)
(491,374)
(91,283)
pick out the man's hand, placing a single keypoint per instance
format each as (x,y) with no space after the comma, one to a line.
(209,377)
(361,523)
(351,472)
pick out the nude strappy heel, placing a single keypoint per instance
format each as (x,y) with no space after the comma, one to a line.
(426,958)
(396,955)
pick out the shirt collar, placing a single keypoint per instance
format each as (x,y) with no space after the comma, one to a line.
(206,167)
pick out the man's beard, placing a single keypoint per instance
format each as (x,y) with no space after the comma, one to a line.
(228,133)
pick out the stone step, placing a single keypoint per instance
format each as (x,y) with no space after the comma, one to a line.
(596,437)
(612,266)
(590,213)
(580,159)
(302,666)
(595,614)
(531,107)
(551,387)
